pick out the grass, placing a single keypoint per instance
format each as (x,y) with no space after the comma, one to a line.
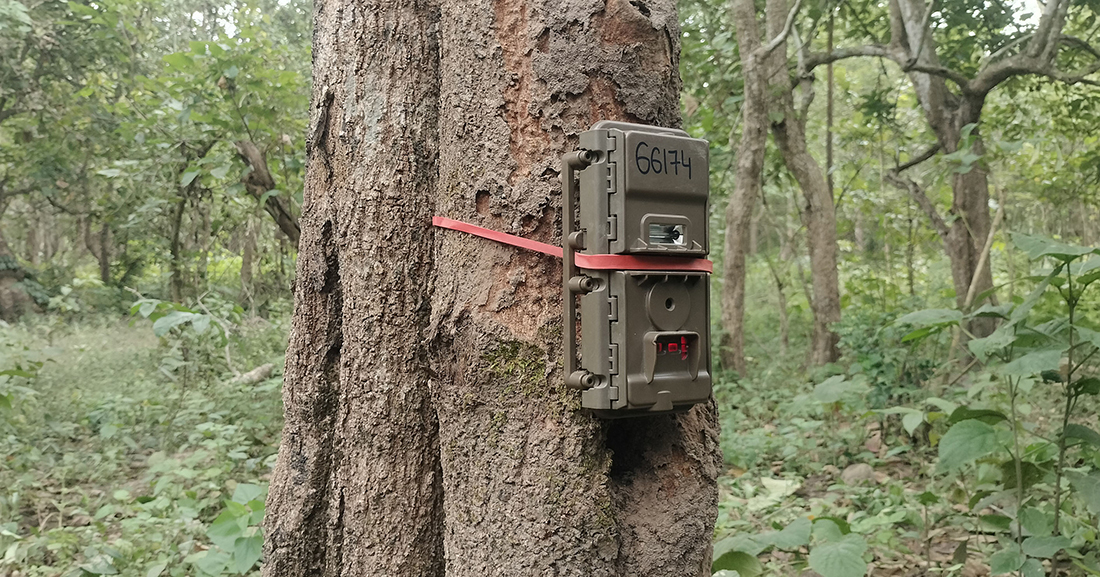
(111,468)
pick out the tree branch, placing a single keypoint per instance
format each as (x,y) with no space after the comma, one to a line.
(893,176)
(782,38)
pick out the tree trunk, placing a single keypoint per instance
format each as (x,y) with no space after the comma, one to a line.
(532,486)
(746,189)
(175,249)
(248,255)
(818,212)
(947,114)
(387,462)
(356,489)
(104,254)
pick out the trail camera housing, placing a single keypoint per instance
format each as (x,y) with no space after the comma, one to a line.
(645,338)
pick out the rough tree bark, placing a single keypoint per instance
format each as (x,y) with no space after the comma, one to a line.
(356,489)
(747,186)
(531,485)
(481,463)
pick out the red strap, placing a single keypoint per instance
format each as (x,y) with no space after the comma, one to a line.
(588,261)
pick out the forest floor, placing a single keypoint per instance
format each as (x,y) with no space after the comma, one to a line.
(108,470)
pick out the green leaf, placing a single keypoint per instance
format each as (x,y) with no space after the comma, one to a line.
(213,562)
(1032,568)
(746,543)
(1036,522)
(269,194)
(931,317)
(109,172)
(156,569)
(986,416)
(1033,363)
(188,177)
(1044,547)
(986,347)
(840,558)
(100,565)
(910,418)
(225,531)
(793,536)
(1074,431)
(964,442)
(171,321)
(247,550)
(200,323)
(232,72)
(179,60)
(1037,246)
(1088,488)
(928,498)
(1089,386)
(1006,560)
(221,171)
(746,565)
(246,492)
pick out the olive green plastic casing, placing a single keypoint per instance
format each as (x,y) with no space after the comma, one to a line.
(635,325)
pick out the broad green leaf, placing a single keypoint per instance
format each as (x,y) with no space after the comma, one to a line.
(1033,363)
(1044,547)
(986,347)
(109,172)
(221,171)
(930,317)
(156,569)
(246,492)
(793,536)
(179,60)
(247,550)
(910,418)
(171,321)
(224,531)
(200,323)
(744,564)
(1089,386)
(1036,522)
(269,194)
(100,565)
(987,416)
(213,562)
(1088,488)
(232,72)
(1024,309)
(1037,246)
(1006,560)
(746,543)
(964,442)
(1081,432)
(840,558)
(1032,568)
(188,177)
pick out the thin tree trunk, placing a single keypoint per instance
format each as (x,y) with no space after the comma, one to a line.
(356,489)
(175,249)
(104,254)
(818,212)
(747,186)
(248,254)
(532,485)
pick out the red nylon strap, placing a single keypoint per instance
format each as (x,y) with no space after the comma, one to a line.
(588,261)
